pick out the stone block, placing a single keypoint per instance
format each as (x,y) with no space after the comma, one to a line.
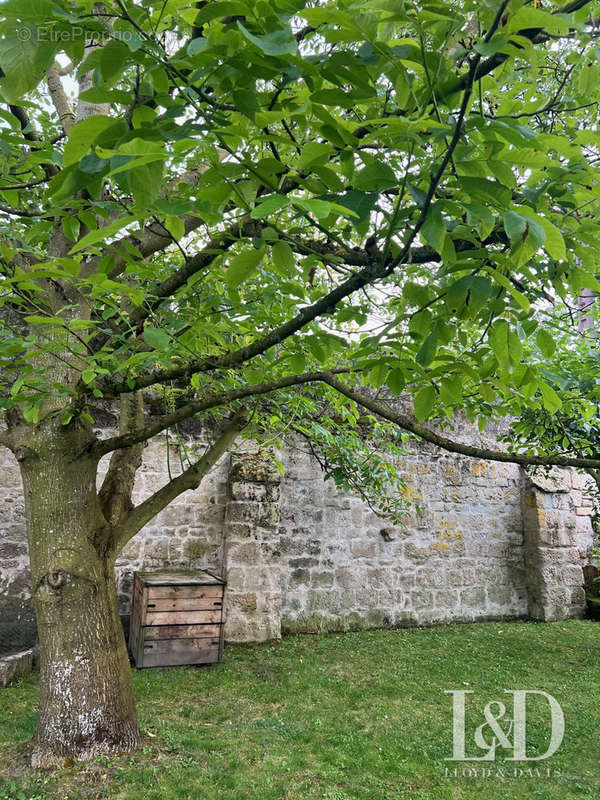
(157,549)
(303,562)
(300,576)
(253,468)
(473,597)
(549,481)
(421,600)
(348,578)
(15,666)
(321,579)
(244,602)
(241,553)
(362,548)
(500,595)
(12,550)
(445,599)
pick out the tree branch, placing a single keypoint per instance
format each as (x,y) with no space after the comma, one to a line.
(19,212)
(190,479)
(17,186)
(31,135)
(408,424)
(59,98)
(115,494)
(105,446)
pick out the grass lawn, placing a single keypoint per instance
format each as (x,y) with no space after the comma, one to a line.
(337,717)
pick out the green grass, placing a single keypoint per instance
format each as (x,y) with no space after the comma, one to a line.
(336,717)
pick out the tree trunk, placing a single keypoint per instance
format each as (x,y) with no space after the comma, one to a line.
(86,704)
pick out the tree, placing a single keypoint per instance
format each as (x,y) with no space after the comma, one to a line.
(277,216)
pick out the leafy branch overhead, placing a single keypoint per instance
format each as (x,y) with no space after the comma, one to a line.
(241,201)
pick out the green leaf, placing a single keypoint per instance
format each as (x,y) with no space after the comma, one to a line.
(156,338)
(375,176)
(102,95)
(25,56)
(197,45)
(480,217)
(451,389)
(31,411)
(468,294)
(376,376)
(498,340)
(361,203)
(175,226)
(396,380)
(277,43)
(211,11)
(70,226)
(242,266)
(424,402)
(528,17)
(521,300)
(273,203)
(320,208)
(433,230)
(297,362)
(84,134)
(515,226)
(144,181)
(546,342)
(88,375)
(554,242)
(102,234)
(283,257)
(314,153)
(486,190)
(550,400)
(316,349)
(113,58)
(428,349)
(489,48)
(93,164)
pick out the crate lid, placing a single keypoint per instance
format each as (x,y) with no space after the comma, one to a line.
(197,577)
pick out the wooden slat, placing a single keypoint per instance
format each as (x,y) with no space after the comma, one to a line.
(178,652)
(182,617)
(181,632)
(175,578)
(156,604)
(143,599)
(184,592)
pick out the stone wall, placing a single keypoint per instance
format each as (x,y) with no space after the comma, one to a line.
(482,541)
(17,620)
(460,556)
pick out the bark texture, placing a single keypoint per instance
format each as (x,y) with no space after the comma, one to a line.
(86,704)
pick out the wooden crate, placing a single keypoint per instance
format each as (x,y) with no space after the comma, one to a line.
(177,618)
